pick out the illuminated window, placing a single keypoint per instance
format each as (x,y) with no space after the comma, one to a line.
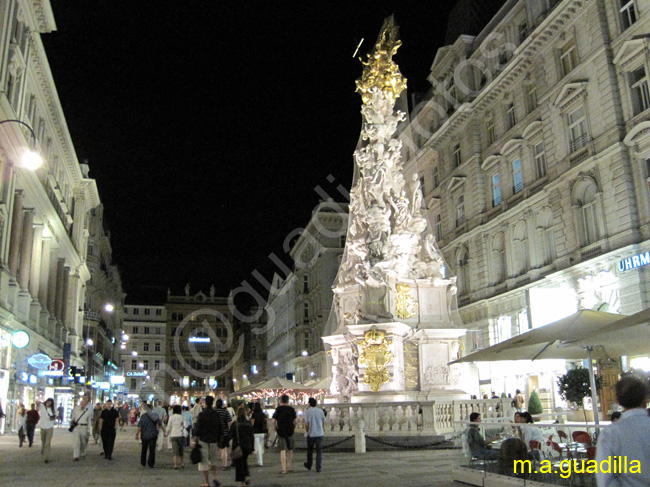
(504,328)
(496,190)
(517,177)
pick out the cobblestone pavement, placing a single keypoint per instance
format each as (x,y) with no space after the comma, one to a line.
(23,467)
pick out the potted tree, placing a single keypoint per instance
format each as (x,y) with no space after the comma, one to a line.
(574,387)
(534,404)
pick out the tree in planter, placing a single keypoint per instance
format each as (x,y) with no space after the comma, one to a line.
(534,404)
(574,387)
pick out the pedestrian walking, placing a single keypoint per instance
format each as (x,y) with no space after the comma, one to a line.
(60,413)
(314,423)
(162,414)
(284,420)
(82,419)
(241,435)
(226,421)
(518,401)
(124,416)
(176,430)
(108,422)
(21,424)
(207,433)
(148,427)
(197,408)
(97,412)
(190,424)
(626,439)
(46,423)
(260,429)
(31,419)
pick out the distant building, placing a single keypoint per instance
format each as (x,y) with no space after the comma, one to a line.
(298,306)
(533,151)
(145,327)
(203,346)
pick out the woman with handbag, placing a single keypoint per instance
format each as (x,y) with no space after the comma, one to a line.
(243,439)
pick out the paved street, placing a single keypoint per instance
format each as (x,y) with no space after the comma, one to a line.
(23,467)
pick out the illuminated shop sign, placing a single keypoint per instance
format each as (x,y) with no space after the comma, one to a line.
(20,339)
(50,373)
(39,361)
(116,379)
(633,262)
(199,339)
(136,373)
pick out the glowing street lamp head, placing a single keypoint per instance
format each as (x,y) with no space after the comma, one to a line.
(108,307)
(305,353)
(134,353)
(31,160)
(275,364)
(89,342)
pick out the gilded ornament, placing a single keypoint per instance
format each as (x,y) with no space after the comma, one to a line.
(381,74)
(375,355)
(405,304)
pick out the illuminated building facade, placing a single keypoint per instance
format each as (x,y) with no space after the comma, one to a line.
(533,151)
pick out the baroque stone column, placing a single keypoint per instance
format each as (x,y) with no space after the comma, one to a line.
(16,232)
(35,267)
(26,250)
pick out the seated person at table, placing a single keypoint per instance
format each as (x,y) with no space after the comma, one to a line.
(477,444)
(530,434)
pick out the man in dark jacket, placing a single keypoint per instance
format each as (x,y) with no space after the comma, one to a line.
(148,427)
(207,432)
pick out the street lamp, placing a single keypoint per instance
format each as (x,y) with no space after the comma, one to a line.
(31,160)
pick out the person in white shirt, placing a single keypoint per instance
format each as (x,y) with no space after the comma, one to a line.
(46,423)
(531,433)
(82,417)
(626,440)
(160,411)
(177,430)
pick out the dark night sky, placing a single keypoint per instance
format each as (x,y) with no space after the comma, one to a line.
(208,124)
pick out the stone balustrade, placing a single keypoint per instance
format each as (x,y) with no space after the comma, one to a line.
(405,418)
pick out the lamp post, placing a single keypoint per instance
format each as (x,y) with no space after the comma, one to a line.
(31,159)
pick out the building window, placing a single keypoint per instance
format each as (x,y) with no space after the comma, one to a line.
(156,347)
(517,177)
(305,312)
(462,264)
(504,328)
(628,13)
(578,129)
(531,97)
(134,364)
(640,91)
(422,185)
(156,365)
(146,364)
(306,340)
(496,190)
(135,329)
(523,31)
(133,384)
(457,156)
(145,347)
(158,312)
(585,202)
(136,311)
(647,168)
(147,311)
(568,57)
(491,133)
(342,241)
(438,228)
(540,159)
(146,330)
(305,284)
(436,177)
(511,119)
(460,210)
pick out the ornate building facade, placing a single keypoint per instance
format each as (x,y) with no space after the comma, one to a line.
(44,216)
(532,148)
(299,305)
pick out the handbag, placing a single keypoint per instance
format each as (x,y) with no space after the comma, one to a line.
(196,455)
(237,453)
(74,423)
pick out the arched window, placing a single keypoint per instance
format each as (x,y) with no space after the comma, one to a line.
(584,198)
(462,270)
(520,249)
(498,258)
(545,237)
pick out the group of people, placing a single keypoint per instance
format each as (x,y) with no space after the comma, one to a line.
(215,430)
